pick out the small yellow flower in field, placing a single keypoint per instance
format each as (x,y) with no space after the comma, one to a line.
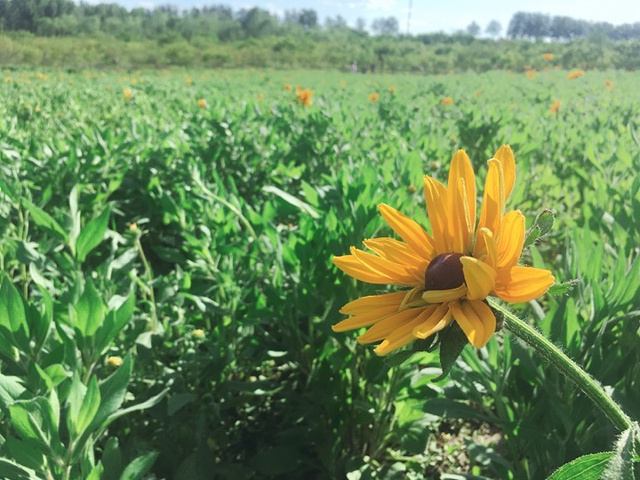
(133,227)
(198,333)
(374,97)
(343,83)
(303,97)
(202,103)
(548,56)
(576,74)
(608,84)
(446,101)
(8,80)
(449,273)
(37,109)
(41,76)
(260,97)
(411,188)
(392,89)
(287,87)
(114,361)
(555,106)
(187,81)
(127,94)
(478,93)
(530,74)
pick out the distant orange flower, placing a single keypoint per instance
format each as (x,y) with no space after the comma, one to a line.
(576,74)
(478,93)
(548,56)
(446,101)
(187,81)
(303,97)
(530,74)
(608,84)
(343,83)
(374,97)
(260,97)
(127,94)
(392,89)
(555,106)
(8,80)
(202,103)
(287,87)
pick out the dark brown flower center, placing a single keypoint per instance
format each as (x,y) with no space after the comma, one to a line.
(444,272)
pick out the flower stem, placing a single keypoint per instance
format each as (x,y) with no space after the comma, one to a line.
(565,365)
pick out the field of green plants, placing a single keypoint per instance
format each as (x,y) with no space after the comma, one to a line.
(168,290)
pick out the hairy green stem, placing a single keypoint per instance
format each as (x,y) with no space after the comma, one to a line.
(566,366)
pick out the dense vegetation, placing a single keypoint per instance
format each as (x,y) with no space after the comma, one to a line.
(167,240)
(61,33)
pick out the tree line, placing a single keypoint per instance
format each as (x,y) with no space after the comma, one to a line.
(224,24)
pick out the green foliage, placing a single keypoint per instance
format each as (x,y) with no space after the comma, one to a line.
(192,247)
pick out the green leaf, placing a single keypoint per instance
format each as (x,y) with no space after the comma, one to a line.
(35,419)
(112,460)
(92,234)
(453,340)
(112,392)
(542,226)
(290,199)
(11,388)
(44,220)
(89,310)
(588,467)
(12,315)
(139,466)
(25,453)
(15,471)
(620,467)
(90,405)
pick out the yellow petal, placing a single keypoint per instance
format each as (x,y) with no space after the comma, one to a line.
(492,204)
(412,233)
(490,246)
(440,296)
(397,273)
(435,322)
(510,239)
(364,319)
(350,265)
(521,284)
(402,335)
(476,320)
(462,191)
(399,252)
(384,327)
(373,302)
(479,277)
(505,155)
(436,197)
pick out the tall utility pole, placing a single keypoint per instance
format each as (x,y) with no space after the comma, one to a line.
(409,17)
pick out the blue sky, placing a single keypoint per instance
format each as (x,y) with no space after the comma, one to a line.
(431,15)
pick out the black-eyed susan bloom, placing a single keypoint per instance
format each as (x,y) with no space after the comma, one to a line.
(447,274)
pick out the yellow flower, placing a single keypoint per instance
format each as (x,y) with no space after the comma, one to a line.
(287,87)
(127,94)
(343,83)
(303,97)
(260,97)
(446,101)
(555,106)
(374,97)
(576,74)
(198,333)
(449,273)
(392,89)
(114,361)
(8,80)
(202,103)
(608,84)
(530,74)
(187,81)
(548,56)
